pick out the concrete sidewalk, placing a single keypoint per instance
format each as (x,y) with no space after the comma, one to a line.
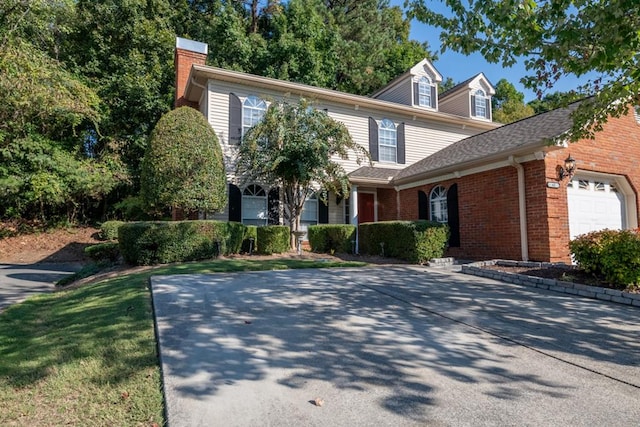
(393,346)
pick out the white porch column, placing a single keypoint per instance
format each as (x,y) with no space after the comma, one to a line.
(353,210)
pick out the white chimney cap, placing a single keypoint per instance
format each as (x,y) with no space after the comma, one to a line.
(191,45)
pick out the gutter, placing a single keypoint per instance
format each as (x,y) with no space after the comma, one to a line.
(522,204)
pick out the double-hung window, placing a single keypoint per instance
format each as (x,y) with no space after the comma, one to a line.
(253,109)
(387,141)
(424,92)
(438,204)
(480,106)
(254,206)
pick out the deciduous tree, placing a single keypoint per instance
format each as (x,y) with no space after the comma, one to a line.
(296,147)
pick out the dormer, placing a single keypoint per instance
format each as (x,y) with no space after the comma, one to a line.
(417,87)
(471,98)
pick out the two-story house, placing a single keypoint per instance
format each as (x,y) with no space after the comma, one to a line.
(435,156)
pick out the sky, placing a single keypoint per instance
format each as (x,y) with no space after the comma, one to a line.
(460,67)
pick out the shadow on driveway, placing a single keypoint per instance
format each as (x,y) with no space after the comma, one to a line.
(390,346)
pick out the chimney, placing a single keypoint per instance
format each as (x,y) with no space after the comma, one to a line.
(188,52)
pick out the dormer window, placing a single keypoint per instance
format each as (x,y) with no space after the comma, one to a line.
(424,92)
(480,104)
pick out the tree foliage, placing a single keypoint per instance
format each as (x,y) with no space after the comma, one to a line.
(508,103)
(296,147)
(46,116)
(182,166)
(555,38)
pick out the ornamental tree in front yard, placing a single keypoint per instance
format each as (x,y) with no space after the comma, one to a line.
(182,166)
(296,147)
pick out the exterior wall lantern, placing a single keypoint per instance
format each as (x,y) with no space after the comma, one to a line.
(568,170)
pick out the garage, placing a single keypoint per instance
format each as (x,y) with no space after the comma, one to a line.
(594,204)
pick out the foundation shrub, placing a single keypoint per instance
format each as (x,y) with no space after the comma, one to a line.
(329,238)
(161,242)
(613,255)
(413,241)
(109,230)
(108,251)
(273,239)
(251,232)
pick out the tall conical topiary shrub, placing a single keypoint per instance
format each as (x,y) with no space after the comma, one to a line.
(183,166)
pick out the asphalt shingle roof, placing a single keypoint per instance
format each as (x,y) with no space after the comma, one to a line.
(375,173)
(532,131)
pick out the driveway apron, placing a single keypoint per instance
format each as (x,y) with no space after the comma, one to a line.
(391,346)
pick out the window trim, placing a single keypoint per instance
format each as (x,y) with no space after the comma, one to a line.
(258,103)
(480,104)
(438,194)
(424,85)
(254,191)
(383,128)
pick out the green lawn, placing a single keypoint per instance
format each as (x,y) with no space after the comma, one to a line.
(87,356)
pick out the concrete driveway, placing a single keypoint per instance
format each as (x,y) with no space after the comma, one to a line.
(20,281)
(391,346)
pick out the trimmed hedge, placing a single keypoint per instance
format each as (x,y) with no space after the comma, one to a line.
(413,241)
(615,255)
(273,239)
(108,251)
(329,238)
(161,242)
(109,230)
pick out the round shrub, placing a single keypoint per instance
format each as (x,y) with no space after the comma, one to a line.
(614,255)
(273,239)
(183,164)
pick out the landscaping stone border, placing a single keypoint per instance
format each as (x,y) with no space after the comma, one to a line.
(554,285)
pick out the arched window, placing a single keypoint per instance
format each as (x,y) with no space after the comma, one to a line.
(254,206)
(424,92)
(387,141)
(438,204)
(480,104)
(253,109)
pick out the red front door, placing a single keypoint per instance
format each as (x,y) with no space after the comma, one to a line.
(366,208)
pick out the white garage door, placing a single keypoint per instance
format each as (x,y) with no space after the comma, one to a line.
(594,205)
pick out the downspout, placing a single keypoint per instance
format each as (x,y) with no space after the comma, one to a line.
(522,204)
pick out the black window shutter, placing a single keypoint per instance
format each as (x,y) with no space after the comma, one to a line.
(323,212)
(487,106)
(454,216)
(235,119)
(423,205)
(400,145)
(373,139)
(273,206)
(235,203)
(416,94)
(473,105)
(433,97)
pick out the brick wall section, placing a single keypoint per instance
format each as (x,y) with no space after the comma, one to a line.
(387,206)
(489,215)
(183,61)
(616,150)
(489,212)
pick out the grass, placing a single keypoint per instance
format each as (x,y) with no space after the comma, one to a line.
(87,356)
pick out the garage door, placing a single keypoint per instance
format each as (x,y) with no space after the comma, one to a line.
(594,205)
